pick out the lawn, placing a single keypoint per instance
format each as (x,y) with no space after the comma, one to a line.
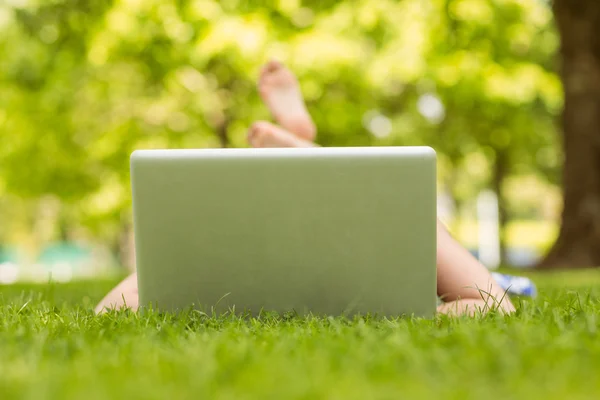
(53,347)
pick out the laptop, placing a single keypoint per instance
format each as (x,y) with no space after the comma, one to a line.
(324,231)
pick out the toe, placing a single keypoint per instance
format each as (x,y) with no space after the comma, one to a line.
(256,132)
(264,71)
(273,66)
(267,69)
(252,133)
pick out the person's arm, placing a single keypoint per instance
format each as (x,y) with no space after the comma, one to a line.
(464,284)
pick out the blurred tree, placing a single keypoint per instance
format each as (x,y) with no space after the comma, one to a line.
(492,65)
(84,83)
(579,238)
(479,81)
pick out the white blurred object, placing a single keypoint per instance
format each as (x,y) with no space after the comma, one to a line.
(445,207)
(9,273)
(489,229)
(378,124)
(61,272)
(432,108)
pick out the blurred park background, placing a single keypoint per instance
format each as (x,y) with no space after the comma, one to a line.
(83,83)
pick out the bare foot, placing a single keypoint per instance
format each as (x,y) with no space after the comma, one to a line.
(265,134)
(124,295)
(280,91)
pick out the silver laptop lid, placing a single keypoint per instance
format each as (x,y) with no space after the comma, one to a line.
(323,230)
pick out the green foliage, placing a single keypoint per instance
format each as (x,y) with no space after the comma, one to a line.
(53,347)
(84,83)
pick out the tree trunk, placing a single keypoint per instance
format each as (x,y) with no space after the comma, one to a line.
(499,174)
(458,203)
(578,243)
(124,246)
(222,133)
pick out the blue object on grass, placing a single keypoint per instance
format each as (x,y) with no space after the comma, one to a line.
(516,285)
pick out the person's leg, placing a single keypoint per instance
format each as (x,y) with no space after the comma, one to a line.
(464,284)
(264,134)
(280,91)
(125,294)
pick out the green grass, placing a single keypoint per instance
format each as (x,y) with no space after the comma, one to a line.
(53,347)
